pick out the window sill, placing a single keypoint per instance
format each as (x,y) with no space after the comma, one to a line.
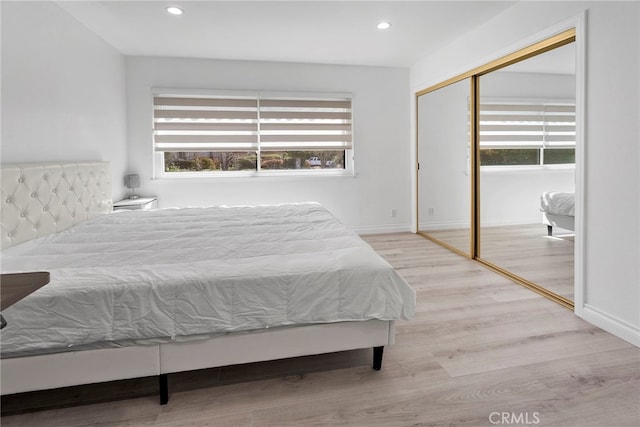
(512,169)
(252,176)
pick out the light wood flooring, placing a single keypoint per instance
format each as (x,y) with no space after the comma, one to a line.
(524,250)
(478,345)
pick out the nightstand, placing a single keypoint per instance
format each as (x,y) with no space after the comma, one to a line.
(141,203)
(16,286)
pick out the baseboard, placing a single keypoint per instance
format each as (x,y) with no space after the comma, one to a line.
(611,324)
(510,222)
(453,225)
(445,225)
(381,229)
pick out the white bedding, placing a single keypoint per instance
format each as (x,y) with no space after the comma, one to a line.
(174,273)
(558,203)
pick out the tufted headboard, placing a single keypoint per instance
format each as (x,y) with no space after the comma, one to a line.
(45,198)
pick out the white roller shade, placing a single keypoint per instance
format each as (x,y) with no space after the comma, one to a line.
(250,124)
(527,125)
(205,124)
(305,124)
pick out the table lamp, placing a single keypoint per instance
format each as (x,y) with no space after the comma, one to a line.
(132,181)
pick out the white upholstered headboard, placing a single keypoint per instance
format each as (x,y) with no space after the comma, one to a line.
(44,198)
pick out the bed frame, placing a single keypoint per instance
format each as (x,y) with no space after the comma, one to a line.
(555,220)
(40,199)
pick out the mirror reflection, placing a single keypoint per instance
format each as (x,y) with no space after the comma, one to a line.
(527,169)
(444,182)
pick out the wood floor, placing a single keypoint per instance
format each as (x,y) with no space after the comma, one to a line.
(479,348)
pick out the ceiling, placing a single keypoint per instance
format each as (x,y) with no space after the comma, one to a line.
(330,32)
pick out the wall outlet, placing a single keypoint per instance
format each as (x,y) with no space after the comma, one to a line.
(393,213)
(430,211)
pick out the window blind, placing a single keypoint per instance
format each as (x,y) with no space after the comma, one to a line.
(305,125)
(205,124)
(530,125)
(250,124)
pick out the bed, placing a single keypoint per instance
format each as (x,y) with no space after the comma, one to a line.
(558,210)
(149,293)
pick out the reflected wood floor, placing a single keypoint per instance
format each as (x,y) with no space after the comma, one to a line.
(524,250)
(478,345)
(528,252)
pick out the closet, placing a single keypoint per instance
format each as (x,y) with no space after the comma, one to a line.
(490,143)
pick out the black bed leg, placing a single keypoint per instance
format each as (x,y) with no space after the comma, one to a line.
(164,389)
(377,358)
(549,230)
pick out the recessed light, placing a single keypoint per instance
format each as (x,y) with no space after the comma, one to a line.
(175,10)
(384,25)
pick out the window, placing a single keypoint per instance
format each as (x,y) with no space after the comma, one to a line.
(535,133)
(251,135)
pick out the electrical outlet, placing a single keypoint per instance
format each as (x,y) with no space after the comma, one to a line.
(430,211)
(393,213)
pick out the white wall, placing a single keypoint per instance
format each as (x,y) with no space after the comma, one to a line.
(512,196)
(443,153)
(63,89)
(611,297)
(381,137)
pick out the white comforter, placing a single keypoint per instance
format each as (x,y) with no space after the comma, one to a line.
(182,272)
(558,203)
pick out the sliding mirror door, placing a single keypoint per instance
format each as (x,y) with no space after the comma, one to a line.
(444,176)
(527,162)
(496,175)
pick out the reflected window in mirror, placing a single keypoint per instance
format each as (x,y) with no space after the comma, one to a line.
(527,132)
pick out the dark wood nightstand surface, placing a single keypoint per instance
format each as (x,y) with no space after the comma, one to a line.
(15,286)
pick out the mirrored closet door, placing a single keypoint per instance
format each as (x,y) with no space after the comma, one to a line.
(444,175)
(527,163)
(496,151)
